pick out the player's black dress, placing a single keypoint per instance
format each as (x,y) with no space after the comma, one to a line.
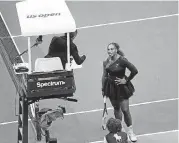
(117,69)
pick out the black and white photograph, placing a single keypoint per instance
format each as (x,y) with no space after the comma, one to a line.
(88,71)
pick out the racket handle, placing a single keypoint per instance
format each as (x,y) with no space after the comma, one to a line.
(104,99)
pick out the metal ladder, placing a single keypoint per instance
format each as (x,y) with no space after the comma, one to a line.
(23,120)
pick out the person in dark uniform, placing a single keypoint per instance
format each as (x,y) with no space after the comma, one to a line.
(115,134)
(58,48)
(117,86)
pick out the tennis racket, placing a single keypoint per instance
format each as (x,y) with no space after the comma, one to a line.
(104,116)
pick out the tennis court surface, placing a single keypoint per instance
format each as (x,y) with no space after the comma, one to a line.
(146,32)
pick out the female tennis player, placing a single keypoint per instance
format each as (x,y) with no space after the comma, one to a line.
(115,134)
(117,86)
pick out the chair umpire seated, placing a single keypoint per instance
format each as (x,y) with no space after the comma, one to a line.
(58,48)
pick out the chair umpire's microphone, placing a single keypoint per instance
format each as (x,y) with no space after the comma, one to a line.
(39,39)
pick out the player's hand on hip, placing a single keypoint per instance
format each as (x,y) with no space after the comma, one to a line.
(119,81)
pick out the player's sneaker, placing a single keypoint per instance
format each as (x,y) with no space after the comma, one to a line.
(131,135)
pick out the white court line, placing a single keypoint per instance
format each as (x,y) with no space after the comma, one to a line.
(132,105)
(148,134)
(129,21)
(97,110)
(114,23)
